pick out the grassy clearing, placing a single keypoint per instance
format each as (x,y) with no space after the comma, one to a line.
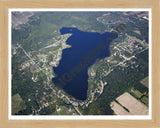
(17,104)
(145,81)
(63,110)
(136,93)
(144,99)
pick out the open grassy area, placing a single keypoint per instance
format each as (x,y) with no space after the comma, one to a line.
(63,110)
(145,100)
(17,104)
(145,81)
(136,93)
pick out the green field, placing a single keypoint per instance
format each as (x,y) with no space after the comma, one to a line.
(145,81)
(136,93)
(17,104)
(144,99)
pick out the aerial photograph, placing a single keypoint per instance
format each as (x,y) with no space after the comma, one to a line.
(79,63)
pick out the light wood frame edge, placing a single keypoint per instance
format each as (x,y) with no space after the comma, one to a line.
(6,4)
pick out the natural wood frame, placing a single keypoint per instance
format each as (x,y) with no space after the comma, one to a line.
(6,4)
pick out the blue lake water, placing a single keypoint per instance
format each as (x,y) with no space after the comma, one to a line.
(86,47)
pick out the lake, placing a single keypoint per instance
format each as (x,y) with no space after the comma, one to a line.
(72,71)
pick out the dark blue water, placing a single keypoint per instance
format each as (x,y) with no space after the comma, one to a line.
(72,71)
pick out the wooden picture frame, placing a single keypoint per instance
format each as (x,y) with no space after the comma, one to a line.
(154,5)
